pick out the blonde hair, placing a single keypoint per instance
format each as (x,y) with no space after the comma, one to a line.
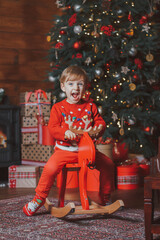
(72,73)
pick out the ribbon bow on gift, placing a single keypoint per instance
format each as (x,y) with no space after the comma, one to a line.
(38,94)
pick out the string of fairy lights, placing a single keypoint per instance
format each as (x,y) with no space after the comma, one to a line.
(92,30)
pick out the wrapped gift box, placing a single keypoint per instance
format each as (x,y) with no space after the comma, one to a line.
(29,135)
(35,102)
(32,121)
(29,121)
(23,176)
(128,177)
(36,152)
(32,131)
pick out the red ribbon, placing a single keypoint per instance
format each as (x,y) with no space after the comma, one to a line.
(38,94)
(39,91)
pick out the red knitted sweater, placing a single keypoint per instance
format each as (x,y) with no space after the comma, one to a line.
(64,114)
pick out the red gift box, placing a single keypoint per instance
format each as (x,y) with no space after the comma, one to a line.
(23,176)
(35,102)
(128,177)
(29,135)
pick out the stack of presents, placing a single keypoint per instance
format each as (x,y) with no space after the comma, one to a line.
(38,145)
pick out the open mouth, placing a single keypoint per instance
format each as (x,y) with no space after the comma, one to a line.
(75,95)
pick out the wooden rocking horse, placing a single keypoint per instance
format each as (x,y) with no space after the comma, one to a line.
(86,158)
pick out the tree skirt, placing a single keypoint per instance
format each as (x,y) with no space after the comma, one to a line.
(124,224)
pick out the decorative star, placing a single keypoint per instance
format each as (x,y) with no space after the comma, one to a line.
(125,70)
(59,3)
(114,116)
(151,81)
(145,27)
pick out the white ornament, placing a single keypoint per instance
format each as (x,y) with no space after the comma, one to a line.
(114,116)
(88,61)
(77,8)
(62,95)
(145,27)
(1,90)
(77,29)
(51,79)
(151,81)
(124,69)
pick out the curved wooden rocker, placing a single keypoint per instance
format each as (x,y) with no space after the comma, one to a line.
(86,158)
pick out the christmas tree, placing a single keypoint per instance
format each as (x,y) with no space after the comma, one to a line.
(117,43)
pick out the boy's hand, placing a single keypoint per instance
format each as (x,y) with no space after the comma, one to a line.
(70,135)
(92,134)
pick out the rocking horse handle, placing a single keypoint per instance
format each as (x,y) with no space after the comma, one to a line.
(91,131)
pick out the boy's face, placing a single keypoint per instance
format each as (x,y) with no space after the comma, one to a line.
(74,90)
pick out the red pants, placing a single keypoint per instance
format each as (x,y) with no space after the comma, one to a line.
(60,157)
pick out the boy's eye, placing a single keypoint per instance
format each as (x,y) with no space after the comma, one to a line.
(80,84)
(70,83)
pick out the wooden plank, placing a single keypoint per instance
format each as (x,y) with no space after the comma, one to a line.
(24,86)
(22,56)
(23,72)
(36,9)
(23,41)
(25,25)
(9,56)
(13,89)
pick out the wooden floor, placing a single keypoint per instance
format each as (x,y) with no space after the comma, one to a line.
(131,198)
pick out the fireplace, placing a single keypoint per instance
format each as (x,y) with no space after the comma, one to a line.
(10,135)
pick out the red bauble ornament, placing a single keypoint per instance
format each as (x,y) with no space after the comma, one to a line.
(119,152)
(108,65)
(77,45)
(62,32)
(115,88)
(135,77)
(147,129)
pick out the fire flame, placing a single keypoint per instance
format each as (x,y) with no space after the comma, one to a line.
(3,138)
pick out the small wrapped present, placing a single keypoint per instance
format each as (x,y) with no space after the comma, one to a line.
(32,131)
(29,121)
(128,177)
(36,152)
(29,135)
(23,176)
(35,102)
(32,121)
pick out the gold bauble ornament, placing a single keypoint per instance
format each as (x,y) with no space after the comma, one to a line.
(121,131)
(96,49)
(95,34)
(132,86)
(48,38)
(149,57)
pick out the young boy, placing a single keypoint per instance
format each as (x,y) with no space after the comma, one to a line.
(73,111)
